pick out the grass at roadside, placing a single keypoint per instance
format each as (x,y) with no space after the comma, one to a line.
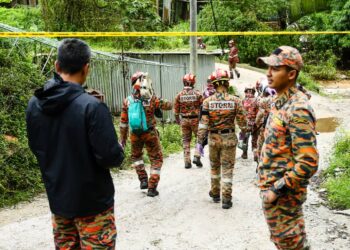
(170,140)
(337,175)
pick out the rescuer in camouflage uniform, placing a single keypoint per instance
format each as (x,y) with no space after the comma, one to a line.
(289,157)
(218,117)
(149,139)
(187,105)
(233,58)
(250,106)
(264,105)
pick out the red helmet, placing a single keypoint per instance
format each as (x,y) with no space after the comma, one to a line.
(189,79)
(219,76)
(136,76)
(249,87)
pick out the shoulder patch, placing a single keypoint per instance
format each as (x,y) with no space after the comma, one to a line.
(277,121)
(300,120)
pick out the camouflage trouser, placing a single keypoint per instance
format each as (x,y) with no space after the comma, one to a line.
(286,222)
(87,233)
(151,141)
(260,142)
(189,126)
(222,154)
(246,139)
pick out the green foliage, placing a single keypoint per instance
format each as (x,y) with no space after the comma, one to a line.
(338,19)
(308,82)
(232,18)
(339,192)
(299,8)
(22,17)
(170,140)
(19,174)
(103,15)
(321,66)
(338,173)
(341,155)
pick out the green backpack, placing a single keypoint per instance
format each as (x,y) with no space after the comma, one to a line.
(137,116)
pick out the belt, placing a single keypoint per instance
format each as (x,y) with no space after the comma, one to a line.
(223,131)
(189,116)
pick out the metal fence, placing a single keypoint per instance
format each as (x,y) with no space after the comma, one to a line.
(110,73)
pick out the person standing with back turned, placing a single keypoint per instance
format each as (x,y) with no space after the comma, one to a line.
(187,105)
(73,138)
(219,113)
(289,157)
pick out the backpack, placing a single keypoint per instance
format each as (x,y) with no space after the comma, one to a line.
(137,116)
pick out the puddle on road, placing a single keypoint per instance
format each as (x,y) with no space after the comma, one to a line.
(326,125)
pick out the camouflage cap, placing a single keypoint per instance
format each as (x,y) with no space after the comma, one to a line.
(284,55)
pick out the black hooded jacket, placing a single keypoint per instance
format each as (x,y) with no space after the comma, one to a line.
(72,135)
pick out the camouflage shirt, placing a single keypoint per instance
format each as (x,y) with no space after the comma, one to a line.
(289,156)
(264,107)
(150,106)
(233,54)
(219,112)
(250,105)
(188,102)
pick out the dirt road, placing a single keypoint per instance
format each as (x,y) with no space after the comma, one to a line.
(183,216)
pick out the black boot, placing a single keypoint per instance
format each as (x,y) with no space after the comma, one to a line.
(244,155)
(226,204)
(152,192)
(197,161)
(188,165)
(144,184)
(216,198)
(237,73)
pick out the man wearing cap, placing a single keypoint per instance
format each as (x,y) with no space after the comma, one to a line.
(289,156)
(219,113)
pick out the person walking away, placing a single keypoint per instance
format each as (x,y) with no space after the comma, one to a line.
(250,106)
(71,133)
(220,111)
(148,136)
(200,44)
(289,157)
(187,106)
(233,58)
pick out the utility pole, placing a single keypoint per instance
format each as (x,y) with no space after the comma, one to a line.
(193,40)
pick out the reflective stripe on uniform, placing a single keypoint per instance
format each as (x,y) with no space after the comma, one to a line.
(137,163)
(123,125)
(155,171)
(226,180)
(202,126)
(214,176)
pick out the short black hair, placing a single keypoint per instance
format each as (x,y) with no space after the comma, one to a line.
(73,54)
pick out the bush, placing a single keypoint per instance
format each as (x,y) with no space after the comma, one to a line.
(308,82)
(337,174)
(170,140)
(231,18)
(19,174)
(321,66)
(22,17)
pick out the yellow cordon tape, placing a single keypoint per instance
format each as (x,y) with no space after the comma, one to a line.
(166,34)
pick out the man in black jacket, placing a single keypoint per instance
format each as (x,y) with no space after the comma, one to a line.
(73,138)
